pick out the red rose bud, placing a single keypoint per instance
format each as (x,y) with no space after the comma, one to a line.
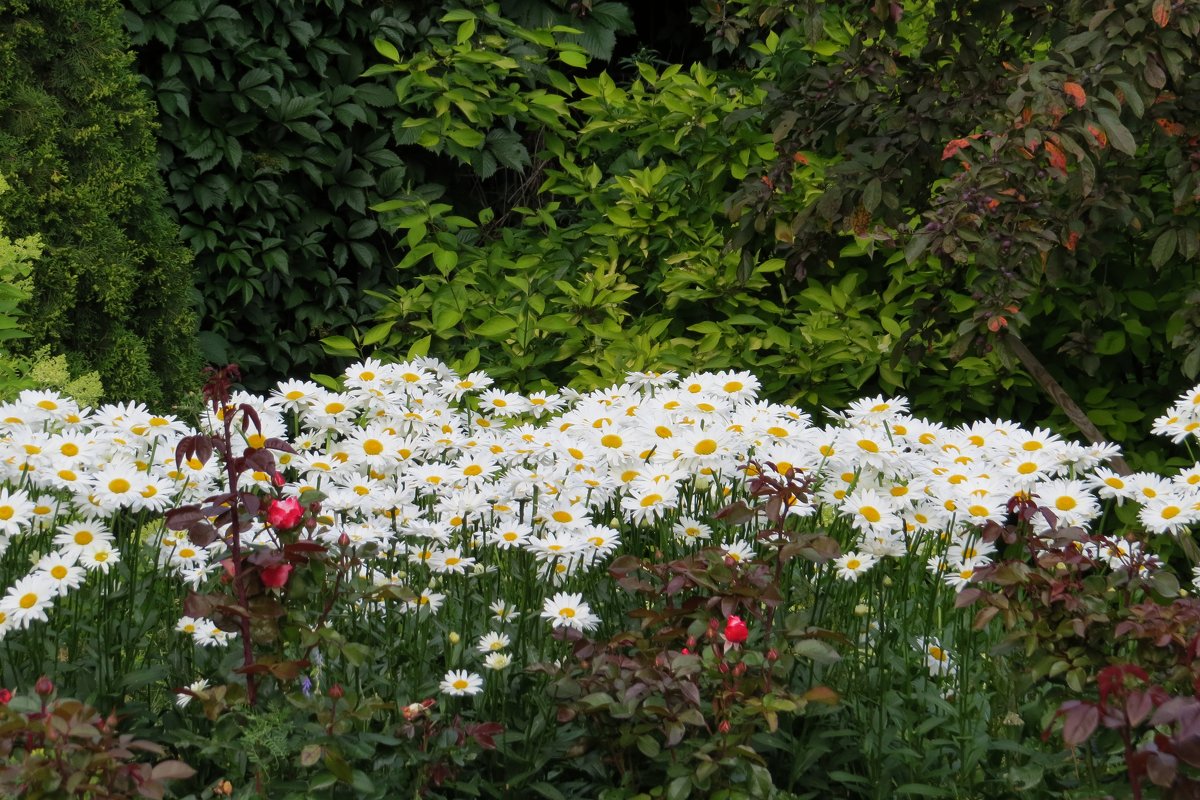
(275,576)
(285,514)
(278,479)
(736,631)
(691,641)
(5,696)
(685,651)
(337,692)
(724,726)
(772,654)
(44,686)
(723,667)
(739,669)
(344,540)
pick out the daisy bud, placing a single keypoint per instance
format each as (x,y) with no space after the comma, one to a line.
(861,610)
(454,638)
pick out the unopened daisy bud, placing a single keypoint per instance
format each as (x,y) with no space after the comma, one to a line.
(861,610)
(887,581)
(454,637)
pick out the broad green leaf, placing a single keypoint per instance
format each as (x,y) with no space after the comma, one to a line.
(1118,134)
(495,326)
(573,58)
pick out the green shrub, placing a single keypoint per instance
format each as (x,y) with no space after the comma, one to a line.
(112,290)
(274,150)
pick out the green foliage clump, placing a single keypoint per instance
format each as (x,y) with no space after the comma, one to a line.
(612,250)
(16,262)
(112,290)
(803,211)
(275,149)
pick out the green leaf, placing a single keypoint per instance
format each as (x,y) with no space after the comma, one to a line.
(339,345)
(378,333)
(1164,247)
(445,319)
(466,137)
(573,58)
(387,50)
(466,30)
(871,194)
(495,327)
(648,746)
(680,788)
(1118,134)
(924,790)
(1111,343)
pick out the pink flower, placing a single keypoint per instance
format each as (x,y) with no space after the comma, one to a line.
(5,696)
(275,576)
(736,631)
(285,514)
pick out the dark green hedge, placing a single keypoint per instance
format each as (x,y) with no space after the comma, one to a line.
(113,290)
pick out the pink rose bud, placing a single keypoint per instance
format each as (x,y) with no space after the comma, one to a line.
(44,686)
(739,669)
(285,514)
(724,726)
(276,575)
(336,691)
(736,631)
(772,655)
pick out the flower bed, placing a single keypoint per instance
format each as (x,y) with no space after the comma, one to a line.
(421,535)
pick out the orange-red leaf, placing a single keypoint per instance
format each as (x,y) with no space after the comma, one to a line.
(953,147)
(1161,12)
(1058,159)
(1170,127)
(1099,135)
(1076,93)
